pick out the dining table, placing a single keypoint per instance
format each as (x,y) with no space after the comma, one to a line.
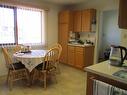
(30,59)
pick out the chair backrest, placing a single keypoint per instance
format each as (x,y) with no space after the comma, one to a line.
(7,57)
(50,58)
(60,49)
(17,48)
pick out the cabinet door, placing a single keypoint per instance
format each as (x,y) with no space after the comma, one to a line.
(123,14)
(77,21)
(79,57)
(88,56)
(71,55)
(63,40)
(64,16)
(88,17)
(71,21)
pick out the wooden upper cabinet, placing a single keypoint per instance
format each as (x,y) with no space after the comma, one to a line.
(66,17)
(88,18)
(63,35)
(84,19)
(122,14)
(77,20)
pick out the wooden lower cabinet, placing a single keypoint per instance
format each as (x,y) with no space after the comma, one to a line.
(63,57)
(88,55)
(77,56)
(71,55)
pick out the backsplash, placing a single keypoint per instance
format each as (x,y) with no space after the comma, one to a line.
(86,36)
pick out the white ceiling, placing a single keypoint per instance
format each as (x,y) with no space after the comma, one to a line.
(65,2)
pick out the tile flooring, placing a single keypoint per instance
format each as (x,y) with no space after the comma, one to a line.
(71,81)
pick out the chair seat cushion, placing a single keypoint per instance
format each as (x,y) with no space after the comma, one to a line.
(39,67)
(17,66)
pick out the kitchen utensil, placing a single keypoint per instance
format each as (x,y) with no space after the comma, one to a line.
(117,55)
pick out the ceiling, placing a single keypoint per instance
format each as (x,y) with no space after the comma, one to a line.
(65,2)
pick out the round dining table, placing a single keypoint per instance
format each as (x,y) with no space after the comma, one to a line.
(30,59)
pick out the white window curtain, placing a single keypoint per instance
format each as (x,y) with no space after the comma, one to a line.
(6,25)
(31,26)
(45,33)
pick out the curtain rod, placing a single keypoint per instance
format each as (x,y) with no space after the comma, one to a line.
(19,4)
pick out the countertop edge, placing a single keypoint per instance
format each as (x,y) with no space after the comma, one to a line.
(87,69)
(80,45)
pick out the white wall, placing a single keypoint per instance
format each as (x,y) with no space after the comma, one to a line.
(52,27)
(110,33)
(52,24)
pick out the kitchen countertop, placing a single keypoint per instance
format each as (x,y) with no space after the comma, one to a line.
(106,70)
(80,45)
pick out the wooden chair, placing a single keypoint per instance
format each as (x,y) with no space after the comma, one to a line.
(47,68)
(16,71)
(17,48)
(60,50)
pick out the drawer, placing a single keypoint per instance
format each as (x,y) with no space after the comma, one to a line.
(79,49)
(71,48)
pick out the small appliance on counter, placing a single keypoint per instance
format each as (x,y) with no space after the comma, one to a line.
(117,55)
(73,36)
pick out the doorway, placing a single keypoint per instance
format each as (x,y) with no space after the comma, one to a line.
(109,34)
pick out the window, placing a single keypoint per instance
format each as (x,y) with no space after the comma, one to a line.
(22,26)
(6,26)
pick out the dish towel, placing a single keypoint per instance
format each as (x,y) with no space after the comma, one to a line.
(101,88)
(118,91)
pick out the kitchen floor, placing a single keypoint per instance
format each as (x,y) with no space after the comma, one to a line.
(71,81)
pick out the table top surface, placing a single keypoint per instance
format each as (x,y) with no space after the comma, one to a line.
(31,54)
(31,59)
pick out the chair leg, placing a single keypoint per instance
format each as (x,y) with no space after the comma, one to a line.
(58,69)
(55,78)
(45,78)
(8,76)
(28,78)
(53,74)
(32,81)
(10,80)
(10,84)
(33,76)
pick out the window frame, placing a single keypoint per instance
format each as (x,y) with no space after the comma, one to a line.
(16,25)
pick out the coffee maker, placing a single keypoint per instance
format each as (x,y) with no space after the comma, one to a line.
(117,55)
